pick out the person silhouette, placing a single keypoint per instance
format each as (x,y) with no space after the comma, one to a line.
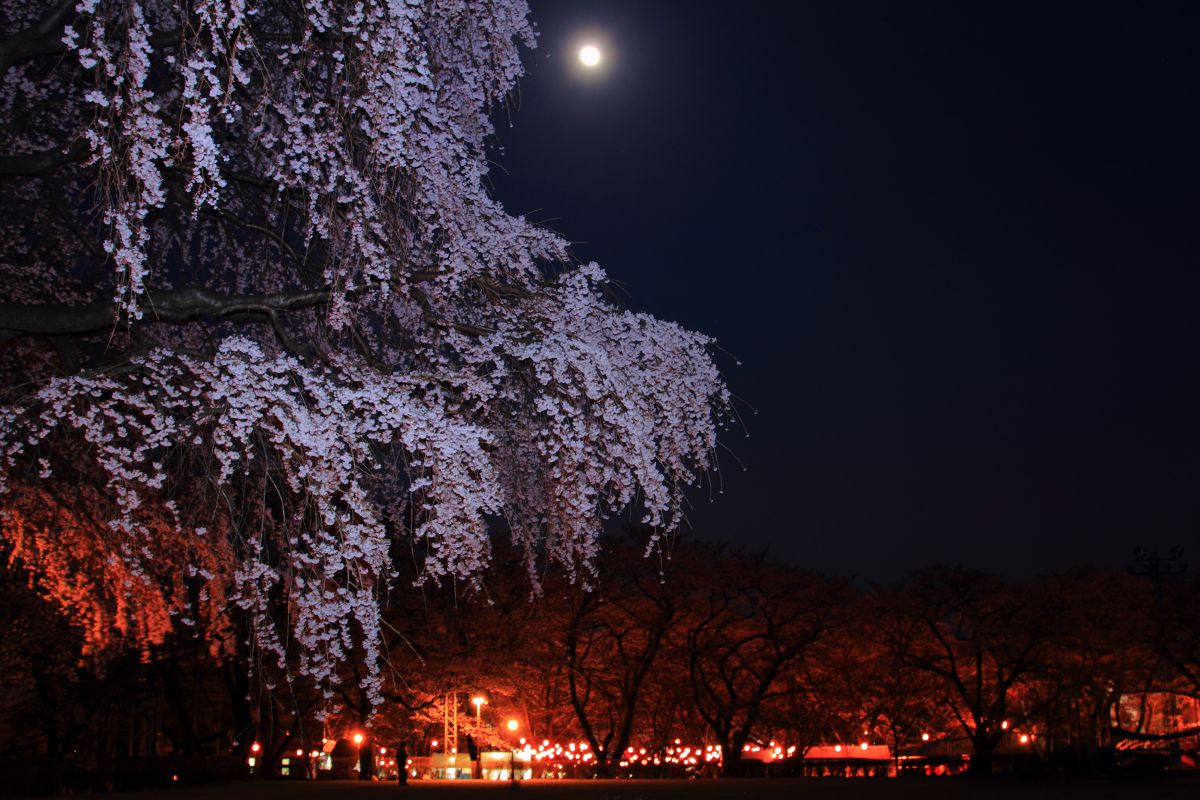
(402,764)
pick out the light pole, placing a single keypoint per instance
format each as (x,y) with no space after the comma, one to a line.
(512,726)
(479,702)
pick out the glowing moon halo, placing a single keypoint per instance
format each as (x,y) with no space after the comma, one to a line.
(589,55)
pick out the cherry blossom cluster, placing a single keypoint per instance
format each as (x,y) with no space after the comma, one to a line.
(375,112)
(321,431)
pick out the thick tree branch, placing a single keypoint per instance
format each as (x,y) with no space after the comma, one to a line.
(44,162)
(165,305)
(42,38)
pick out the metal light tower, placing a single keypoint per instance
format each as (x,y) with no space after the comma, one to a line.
(450,723)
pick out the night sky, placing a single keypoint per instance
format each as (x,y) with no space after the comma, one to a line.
(954,246)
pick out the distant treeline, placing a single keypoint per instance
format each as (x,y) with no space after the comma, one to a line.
(694,643)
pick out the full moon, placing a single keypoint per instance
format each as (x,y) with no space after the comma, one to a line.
(590,56)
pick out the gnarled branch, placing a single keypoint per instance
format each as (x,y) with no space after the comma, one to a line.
(183,304)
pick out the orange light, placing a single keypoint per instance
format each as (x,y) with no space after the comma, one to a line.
(837,748)
(358,738)
(1024,738)
(1004,725)
(254,748)
(433,743)
(864,745)
(924,737)
(512,725)
(383,751)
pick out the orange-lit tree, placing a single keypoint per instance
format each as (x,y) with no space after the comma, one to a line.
(614,634)
(1101,650)
(751,625)
(873,693)
(1178,636)
(981,638)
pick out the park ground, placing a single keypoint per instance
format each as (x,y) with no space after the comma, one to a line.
(1142,788)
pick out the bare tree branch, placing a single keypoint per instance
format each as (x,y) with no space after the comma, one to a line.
(165,305)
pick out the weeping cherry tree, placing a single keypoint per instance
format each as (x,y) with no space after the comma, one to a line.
(264,331)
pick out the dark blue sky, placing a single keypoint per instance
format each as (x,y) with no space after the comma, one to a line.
(954,245)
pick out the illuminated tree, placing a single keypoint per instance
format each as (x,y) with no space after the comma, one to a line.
(981,639)
(853,686)
(262,320)
(1102,649)
(1178,636)
(752,626)
(612,640)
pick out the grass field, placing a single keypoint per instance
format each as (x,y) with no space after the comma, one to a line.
(1147,788)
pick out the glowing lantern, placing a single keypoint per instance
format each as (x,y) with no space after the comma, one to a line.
(358,738)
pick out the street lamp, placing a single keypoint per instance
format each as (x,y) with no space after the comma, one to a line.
(478,701)
(512,726)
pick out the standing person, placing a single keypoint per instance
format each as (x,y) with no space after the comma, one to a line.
(473,752)
(402,764)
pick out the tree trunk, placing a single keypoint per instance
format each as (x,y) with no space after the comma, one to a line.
(731,755)
(982,755)
(366,760)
